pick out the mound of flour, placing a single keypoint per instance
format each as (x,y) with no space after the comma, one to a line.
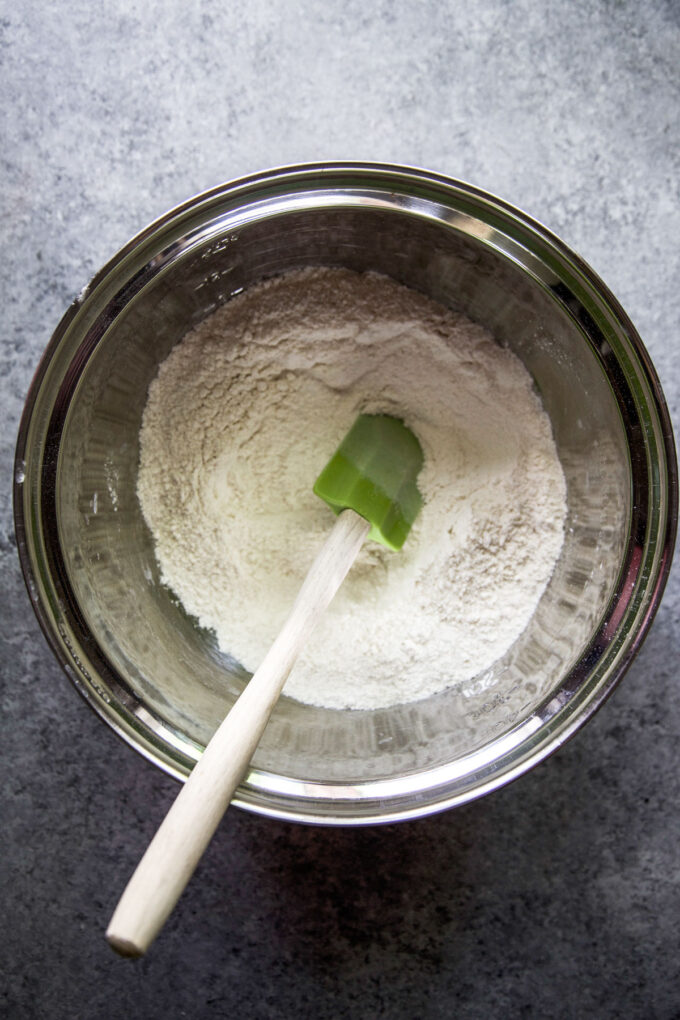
(248,408)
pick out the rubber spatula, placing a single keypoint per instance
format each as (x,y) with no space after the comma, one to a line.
(370,482)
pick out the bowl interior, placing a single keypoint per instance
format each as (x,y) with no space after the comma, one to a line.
(138,637)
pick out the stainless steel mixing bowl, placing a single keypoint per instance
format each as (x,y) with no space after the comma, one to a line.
(160,681)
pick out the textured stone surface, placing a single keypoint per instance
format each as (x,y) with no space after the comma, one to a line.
(556,897)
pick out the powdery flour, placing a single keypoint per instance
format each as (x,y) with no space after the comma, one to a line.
(248,408)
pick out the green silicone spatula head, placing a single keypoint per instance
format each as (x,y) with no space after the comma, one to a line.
(374,471)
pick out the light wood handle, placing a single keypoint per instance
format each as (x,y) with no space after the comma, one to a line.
(189,825)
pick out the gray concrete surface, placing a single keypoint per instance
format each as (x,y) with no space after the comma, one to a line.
(556,897)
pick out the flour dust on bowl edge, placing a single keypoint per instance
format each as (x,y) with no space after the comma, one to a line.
(160,681)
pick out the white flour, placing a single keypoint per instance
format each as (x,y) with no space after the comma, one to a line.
(248,408)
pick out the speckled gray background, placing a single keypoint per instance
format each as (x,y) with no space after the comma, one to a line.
(556,897)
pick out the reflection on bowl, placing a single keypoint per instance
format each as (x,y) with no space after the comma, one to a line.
(158,679)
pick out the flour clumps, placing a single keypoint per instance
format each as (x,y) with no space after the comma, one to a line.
(248,408)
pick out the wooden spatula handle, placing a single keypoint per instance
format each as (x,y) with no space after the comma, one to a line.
(178,845)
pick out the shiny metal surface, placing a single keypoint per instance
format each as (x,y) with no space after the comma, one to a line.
(87,556)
